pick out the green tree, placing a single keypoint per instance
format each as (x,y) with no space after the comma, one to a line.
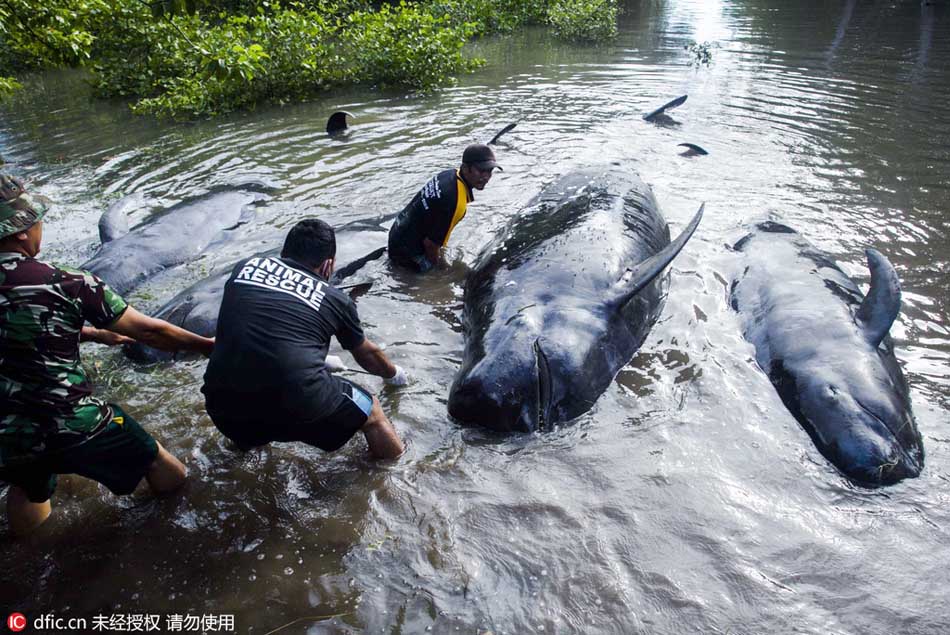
(188,58)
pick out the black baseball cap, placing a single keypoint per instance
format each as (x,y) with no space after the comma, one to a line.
(481,156)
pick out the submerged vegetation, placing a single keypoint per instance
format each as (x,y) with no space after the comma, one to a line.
(700,54)
(191,58)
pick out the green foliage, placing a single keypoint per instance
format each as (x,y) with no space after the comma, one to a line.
(490,16)
(8,85)
(578,20)
(404,45)
(700,54)
(139,53)
(584,20)
(273,56)
(191,58)
(52,33)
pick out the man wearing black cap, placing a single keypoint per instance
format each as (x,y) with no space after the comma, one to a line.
(423,228)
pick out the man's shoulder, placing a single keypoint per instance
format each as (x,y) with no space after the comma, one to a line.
(448,179)
(337,296)
(23,265)
(441,190)
(33,275)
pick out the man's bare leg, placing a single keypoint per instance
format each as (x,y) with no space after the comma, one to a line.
(380,434)
(25,515)
(166,473)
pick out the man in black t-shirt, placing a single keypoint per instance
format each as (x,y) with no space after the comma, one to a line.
(423,227)
(268,378)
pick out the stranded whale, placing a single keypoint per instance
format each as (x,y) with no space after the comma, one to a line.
(196,308)
(558,303)
(175,236)
(826,349)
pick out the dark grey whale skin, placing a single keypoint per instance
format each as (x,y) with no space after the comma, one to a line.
(196,308)
(560,301)
(825,347)
(173,237)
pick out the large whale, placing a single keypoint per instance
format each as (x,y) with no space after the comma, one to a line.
(825,347)
(560,301)
(176,235)
(196,308)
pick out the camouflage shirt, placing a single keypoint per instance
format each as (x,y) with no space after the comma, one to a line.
(46,401)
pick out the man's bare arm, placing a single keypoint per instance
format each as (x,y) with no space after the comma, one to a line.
(103,336)
(160,334)
(373,359)
(433,251)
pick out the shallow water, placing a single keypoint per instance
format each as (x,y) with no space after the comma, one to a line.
(688,499)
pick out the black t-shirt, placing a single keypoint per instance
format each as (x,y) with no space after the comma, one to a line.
(432,213)
(274,330)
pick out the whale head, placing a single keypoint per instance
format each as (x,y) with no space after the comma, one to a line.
(534,370)
(861,421)
(504,393)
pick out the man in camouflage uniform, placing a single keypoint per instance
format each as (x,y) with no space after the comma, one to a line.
(50,422)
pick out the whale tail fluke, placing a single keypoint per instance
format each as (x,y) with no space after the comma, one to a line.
(882,304)
(644,272)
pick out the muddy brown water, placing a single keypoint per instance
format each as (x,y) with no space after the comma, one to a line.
(687,500)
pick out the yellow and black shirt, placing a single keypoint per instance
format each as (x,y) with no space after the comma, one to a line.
(432,213)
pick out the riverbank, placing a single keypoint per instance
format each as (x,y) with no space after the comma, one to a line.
(198,59)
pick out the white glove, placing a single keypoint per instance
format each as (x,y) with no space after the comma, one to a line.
(399,379)
(334,364)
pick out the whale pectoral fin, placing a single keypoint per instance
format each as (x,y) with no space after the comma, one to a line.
(350,268)
(882,304)
(692,148)
(643,273)
(355,291)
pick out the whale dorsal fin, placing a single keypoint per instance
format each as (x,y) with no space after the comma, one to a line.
(644,272)
(883,302)
(114,222)
(670,105)
(507,128)
(336,124)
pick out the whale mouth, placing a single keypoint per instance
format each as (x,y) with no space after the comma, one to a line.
(904,463)
(544,387)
